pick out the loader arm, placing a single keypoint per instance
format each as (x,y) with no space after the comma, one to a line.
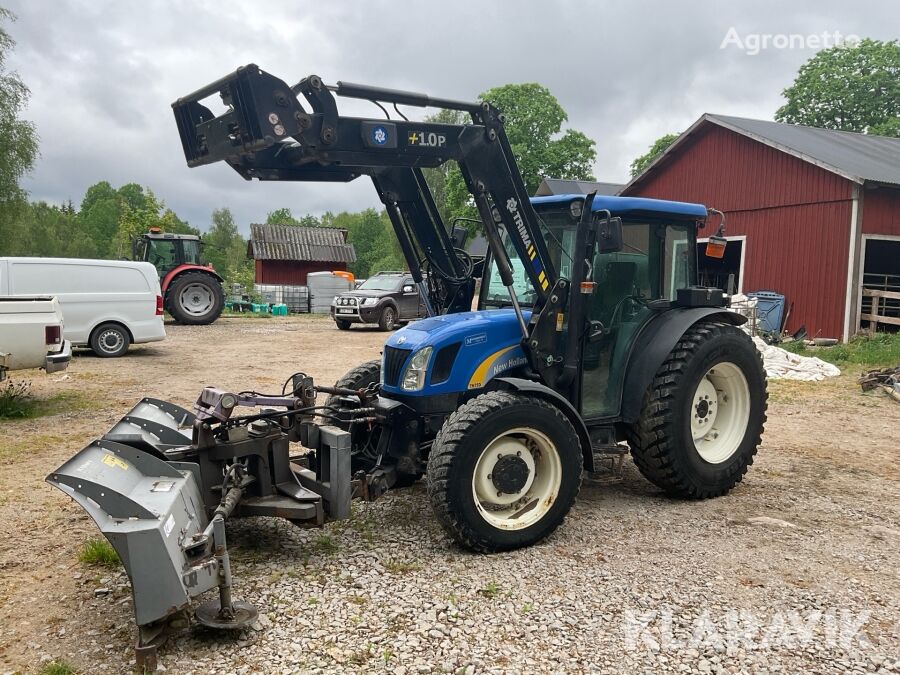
(267,134)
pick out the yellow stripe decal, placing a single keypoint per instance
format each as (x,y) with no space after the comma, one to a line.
(541,277)
(533,254)
(478,376)
(545,285)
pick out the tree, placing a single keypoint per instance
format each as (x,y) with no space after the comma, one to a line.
(224,247)
(533,123)
(373,237)
(18,138)
(659,146)
(134,221)
(847,88)
(286,217)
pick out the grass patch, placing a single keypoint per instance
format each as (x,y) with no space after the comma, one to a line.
(246,315)
(491,590)
(18,402)
(98,551)
(324,545)
(867,351)
(402,566)
(57,667)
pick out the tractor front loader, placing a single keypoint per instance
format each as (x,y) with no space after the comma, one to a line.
(591,339)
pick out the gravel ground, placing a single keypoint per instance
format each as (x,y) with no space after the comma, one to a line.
(795,571)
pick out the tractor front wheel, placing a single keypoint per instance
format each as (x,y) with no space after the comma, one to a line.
(503,471)
(195,298)
(703,415)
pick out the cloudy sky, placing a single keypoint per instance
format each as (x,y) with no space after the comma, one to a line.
(103,74)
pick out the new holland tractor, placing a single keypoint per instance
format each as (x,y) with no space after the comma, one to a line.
(590,339)
(192,290)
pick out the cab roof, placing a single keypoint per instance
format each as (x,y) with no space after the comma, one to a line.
(629,206)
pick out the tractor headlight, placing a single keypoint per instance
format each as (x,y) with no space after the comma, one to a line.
(368,302)
(414,375)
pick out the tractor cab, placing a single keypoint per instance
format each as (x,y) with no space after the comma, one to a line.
(629,286)
(166,251)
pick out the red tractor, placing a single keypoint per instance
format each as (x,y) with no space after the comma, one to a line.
(192,291)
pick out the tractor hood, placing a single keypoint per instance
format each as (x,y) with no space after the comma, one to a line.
(468,350)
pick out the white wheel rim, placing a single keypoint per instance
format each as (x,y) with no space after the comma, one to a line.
(196,299)
(720,412)
(110,341)
(526,449)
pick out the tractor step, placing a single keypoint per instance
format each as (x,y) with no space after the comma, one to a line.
(608,461)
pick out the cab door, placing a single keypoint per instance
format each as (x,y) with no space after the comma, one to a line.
(654,262)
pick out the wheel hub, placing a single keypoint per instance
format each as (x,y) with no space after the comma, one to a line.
(702,408)
(510,474)
(720,411)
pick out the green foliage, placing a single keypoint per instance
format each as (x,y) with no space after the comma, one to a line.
(18,139)
(868,351)
(372,236)
(57,667)
(534,120)
(285,217)
(848,88)
(15,399)
(226,249)
(659,146)
(98,551)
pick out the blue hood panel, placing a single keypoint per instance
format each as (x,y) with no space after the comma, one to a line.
(489,344)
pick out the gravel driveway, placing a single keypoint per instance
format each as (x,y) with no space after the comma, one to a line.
(795,571)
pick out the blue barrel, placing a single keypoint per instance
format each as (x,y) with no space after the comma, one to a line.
(769,311)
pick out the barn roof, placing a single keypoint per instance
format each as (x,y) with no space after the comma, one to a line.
(563,186)
(293,242)
(860,158)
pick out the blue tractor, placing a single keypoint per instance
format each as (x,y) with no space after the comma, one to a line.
(591,338)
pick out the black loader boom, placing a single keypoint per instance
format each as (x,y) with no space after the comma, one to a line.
(269,135)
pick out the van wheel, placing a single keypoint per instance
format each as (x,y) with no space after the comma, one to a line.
(110,340)
(195,298)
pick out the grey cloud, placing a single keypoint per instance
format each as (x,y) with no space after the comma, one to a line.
(103,74)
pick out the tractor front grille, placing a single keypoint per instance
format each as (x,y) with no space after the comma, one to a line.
(392,365)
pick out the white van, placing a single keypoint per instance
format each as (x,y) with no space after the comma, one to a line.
(107,304)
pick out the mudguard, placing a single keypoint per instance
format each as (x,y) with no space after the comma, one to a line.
(171,274)
(653,345)
(545,392)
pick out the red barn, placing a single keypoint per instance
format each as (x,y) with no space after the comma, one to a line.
(285,254)
(811,213)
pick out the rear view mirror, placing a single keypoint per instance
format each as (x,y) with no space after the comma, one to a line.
(409,289)
(609,235)
(459,236)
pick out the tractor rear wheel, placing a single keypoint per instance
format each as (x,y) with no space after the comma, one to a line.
(503,471)
(195,298)
(703,415)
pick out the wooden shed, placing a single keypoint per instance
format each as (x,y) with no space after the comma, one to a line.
(286,254)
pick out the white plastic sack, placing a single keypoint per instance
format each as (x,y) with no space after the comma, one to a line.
(783,365)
